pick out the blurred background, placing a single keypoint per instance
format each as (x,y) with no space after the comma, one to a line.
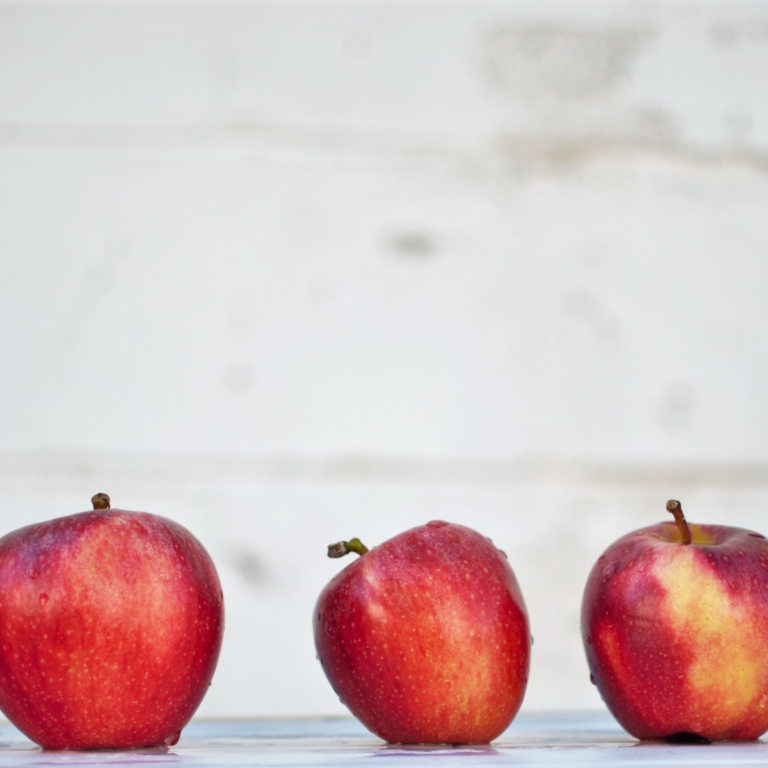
(291,273)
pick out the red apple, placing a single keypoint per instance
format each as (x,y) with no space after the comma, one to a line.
(110,629)
(675,626)
(425,638)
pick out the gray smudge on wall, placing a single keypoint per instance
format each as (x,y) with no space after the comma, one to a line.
(248,565)
(411,244)
(542,61)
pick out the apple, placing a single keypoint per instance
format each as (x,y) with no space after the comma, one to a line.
(425,638)
(675,628)
(110,629)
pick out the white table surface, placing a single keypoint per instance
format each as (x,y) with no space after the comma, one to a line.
(536,740)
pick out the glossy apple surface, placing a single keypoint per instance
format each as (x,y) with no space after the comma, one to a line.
(110,628)
(676,635)
(426,639)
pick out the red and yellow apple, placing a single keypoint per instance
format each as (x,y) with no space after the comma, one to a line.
(425,637)
(110,629)
(675,627)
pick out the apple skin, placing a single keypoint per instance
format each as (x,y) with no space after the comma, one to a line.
(676,635)
(111,624)
(425,638)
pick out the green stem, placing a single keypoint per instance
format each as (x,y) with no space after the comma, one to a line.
(342,548)
(677,510)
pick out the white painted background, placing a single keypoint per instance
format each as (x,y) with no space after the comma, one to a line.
(293,273)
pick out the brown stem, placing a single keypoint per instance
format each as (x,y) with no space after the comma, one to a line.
(100,501)
(341,548)
(677,510)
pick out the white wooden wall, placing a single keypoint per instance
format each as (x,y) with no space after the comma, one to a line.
(293,273)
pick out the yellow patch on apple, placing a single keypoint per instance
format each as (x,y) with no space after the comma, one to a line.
(727,658)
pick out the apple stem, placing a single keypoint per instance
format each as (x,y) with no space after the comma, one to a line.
(677,510)
(341,548)
(100,501)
